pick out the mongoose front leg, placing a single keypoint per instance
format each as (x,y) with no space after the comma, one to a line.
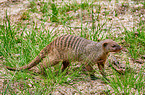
(91,72)
(101,68)
(65,64)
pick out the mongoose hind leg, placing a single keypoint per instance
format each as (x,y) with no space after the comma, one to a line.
(45,64)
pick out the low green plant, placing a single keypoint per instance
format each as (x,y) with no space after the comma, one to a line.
(135,41)
(20,45)
(33,6)
(131,82)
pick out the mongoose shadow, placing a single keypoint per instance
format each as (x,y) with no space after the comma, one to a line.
(74,48)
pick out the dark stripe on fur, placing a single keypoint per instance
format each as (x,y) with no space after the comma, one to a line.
(61,42)
(58,41)
(81,45)
(75,42)
(65,41)
(69,41)
(73,39)
(53,44)
(78,44)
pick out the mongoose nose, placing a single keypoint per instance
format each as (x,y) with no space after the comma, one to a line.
(121,48)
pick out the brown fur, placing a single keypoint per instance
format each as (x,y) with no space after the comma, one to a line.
(74,48)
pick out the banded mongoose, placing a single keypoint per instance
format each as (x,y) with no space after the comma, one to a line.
(74,48)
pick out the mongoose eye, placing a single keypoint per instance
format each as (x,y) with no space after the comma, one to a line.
(105,44)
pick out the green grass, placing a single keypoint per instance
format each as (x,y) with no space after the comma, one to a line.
(20,45)
(136,42)
(129,83)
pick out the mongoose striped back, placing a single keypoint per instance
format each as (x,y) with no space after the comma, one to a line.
(71,42)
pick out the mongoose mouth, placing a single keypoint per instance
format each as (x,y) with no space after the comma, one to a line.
(117,50)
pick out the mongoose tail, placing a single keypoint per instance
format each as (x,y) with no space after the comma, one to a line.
(36,61)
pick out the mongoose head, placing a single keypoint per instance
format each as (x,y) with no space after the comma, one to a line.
(111,46)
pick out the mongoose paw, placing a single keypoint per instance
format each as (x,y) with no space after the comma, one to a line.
(121,71)
(93,77)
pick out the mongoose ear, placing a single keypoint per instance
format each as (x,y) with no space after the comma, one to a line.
(105,44)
